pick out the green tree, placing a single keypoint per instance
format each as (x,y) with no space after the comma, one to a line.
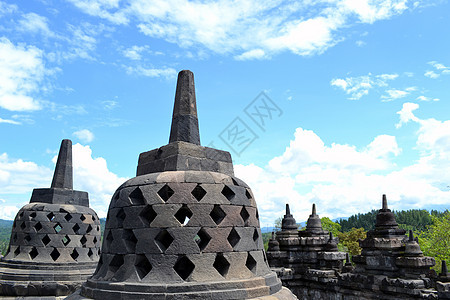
(330,226)
(435,241)
(350,240)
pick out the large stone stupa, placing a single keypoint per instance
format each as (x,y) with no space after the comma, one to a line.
(55,239)
(185,227)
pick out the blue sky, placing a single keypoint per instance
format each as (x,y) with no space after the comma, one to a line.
(352,95)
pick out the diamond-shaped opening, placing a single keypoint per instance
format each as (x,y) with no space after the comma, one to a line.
(163,240)
(98,228)
(62,210)
(74,254)
(46,239)
(130,240)
(136,197)
(217,214)
(21,214)
(33,253)
(233,238)
(202,239)
(142,266)
(248,195)
(66,240)
(245,215)
(90,253)
(27,238)
(198,192)
(95,240)
(120,217)
(221,264)
(109,238)
(32,215)
(38,226)
(234,181)
(116,263)
(83,241)
(147,215)
(228,193)
(183,215)
(184,267)
(76,228)
(23,225)
(165,193)
(55,254)
(93,218)
(255,235)
(17,251)
(89,228)
(57,228)
(82,217)
(257,215)
(250,263)
(51,216)
(68,217)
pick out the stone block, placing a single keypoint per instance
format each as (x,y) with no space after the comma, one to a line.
(219,242)
(183,240)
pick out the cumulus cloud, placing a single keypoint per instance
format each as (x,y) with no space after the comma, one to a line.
(9,121)
(23,75)
(84,135)
(406,113)
(245,28)
(359,86)
(91,174)
(344,179)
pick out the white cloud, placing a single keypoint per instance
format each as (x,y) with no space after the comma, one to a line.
(8,212)
(223,26)
(9,121)
(344,180)
(23,75)
(135,52)
(360,86)
(393,94)
(431,74)
(252,54)
(84,135)
(91,174)
(151,72)
(35,23)
(360,43)
(406,113)
(19,177)
(440,69)
(425,98)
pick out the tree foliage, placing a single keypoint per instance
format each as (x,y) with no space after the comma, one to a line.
(350,240)
(435,240)
(330,226)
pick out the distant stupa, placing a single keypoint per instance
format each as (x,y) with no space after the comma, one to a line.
(55,239)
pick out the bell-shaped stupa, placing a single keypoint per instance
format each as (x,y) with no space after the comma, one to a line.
(185,227)
(55,239)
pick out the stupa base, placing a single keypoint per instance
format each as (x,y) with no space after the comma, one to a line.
(19,280)
(267,287)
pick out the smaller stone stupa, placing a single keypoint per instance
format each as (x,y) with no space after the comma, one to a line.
(55,239)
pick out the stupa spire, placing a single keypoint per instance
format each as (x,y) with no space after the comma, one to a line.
(63,176)
(184,119)
(384,205)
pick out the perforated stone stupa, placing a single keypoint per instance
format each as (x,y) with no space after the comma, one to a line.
(55,239)
(185,227)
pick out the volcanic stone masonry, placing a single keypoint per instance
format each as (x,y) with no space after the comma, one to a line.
(185,227)
(55,239)
(390,266)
